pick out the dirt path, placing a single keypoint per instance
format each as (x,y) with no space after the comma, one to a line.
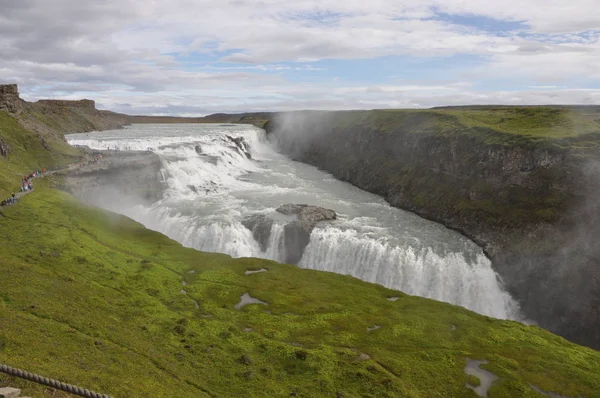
(72,166)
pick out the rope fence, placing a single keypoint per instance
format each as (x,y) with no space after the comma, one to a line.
(51,382)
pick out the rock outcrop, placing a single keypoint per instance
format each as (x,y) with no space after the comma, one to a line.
(260,225)
(9,99)
(84,103)
(241,145)
(528,203)
(297,233)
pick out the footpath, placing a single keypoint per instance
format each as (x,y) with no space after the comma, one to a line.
(27,185)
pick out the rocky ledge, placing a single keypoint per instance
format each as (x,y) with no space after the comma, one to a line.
(297,232)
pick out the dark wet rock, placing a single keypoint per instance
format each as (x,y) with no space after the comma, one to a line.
(241,145)
(260,225)
(297,233)
(296,237)
(198,149)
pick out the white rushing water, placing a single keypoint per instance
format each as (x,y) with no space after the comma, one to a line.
(211,185)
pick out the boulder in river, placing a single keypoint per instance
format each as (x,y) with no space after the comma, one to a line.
(296,234)
(260,225)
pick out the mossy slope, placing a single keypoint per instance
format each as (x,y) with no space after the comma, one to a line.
(27,153)
(94,299)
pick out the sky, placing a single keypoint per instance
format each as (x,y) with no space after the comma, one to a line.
(196,57)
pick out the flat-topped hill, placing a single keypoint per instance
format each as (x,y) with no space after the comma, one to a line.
(84,103)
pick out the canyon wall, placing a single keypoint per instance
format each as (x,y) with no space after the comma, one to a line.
(529,202)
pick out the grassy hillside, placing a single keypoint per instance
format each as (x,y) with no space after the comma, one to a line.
(94,299)
(564,126)
(29,151)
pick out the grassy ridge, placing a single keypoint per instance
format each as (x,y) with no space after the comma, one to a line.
(27,153)
(94,299)
(531,123)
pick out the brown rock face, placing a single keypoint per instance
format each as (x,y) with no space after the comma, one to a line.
(9,98)
(297,233)
(84,103)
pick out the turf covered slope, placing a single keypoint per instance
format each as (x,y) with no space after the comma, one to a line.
(95,299)
(26,152)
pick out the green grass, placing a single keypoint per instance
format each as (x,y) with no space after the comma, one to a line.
(28,154)
(94,299)
(494,125)
(547,122)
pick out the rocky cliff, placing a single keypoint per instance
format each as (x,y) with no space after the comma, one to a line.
(58,117)
(528,199)
(9,98)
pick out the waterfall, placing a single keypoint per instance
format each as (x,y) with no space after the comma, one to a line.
(216,175)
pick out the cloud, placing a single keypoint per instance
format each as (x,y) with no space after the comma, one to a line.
(273,51)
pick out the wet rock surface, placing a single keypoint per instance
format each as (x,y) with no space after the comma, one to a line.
(241,145)
(260,225)
(297,233)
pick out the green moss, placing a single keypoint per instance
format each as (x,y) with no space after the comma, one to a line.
(94,299)
(28,153)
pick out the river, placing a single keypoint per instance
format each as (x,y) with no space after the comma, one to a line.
(211,184)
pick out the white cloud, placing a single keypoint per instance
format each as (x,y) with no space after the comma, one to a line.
(125,49)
